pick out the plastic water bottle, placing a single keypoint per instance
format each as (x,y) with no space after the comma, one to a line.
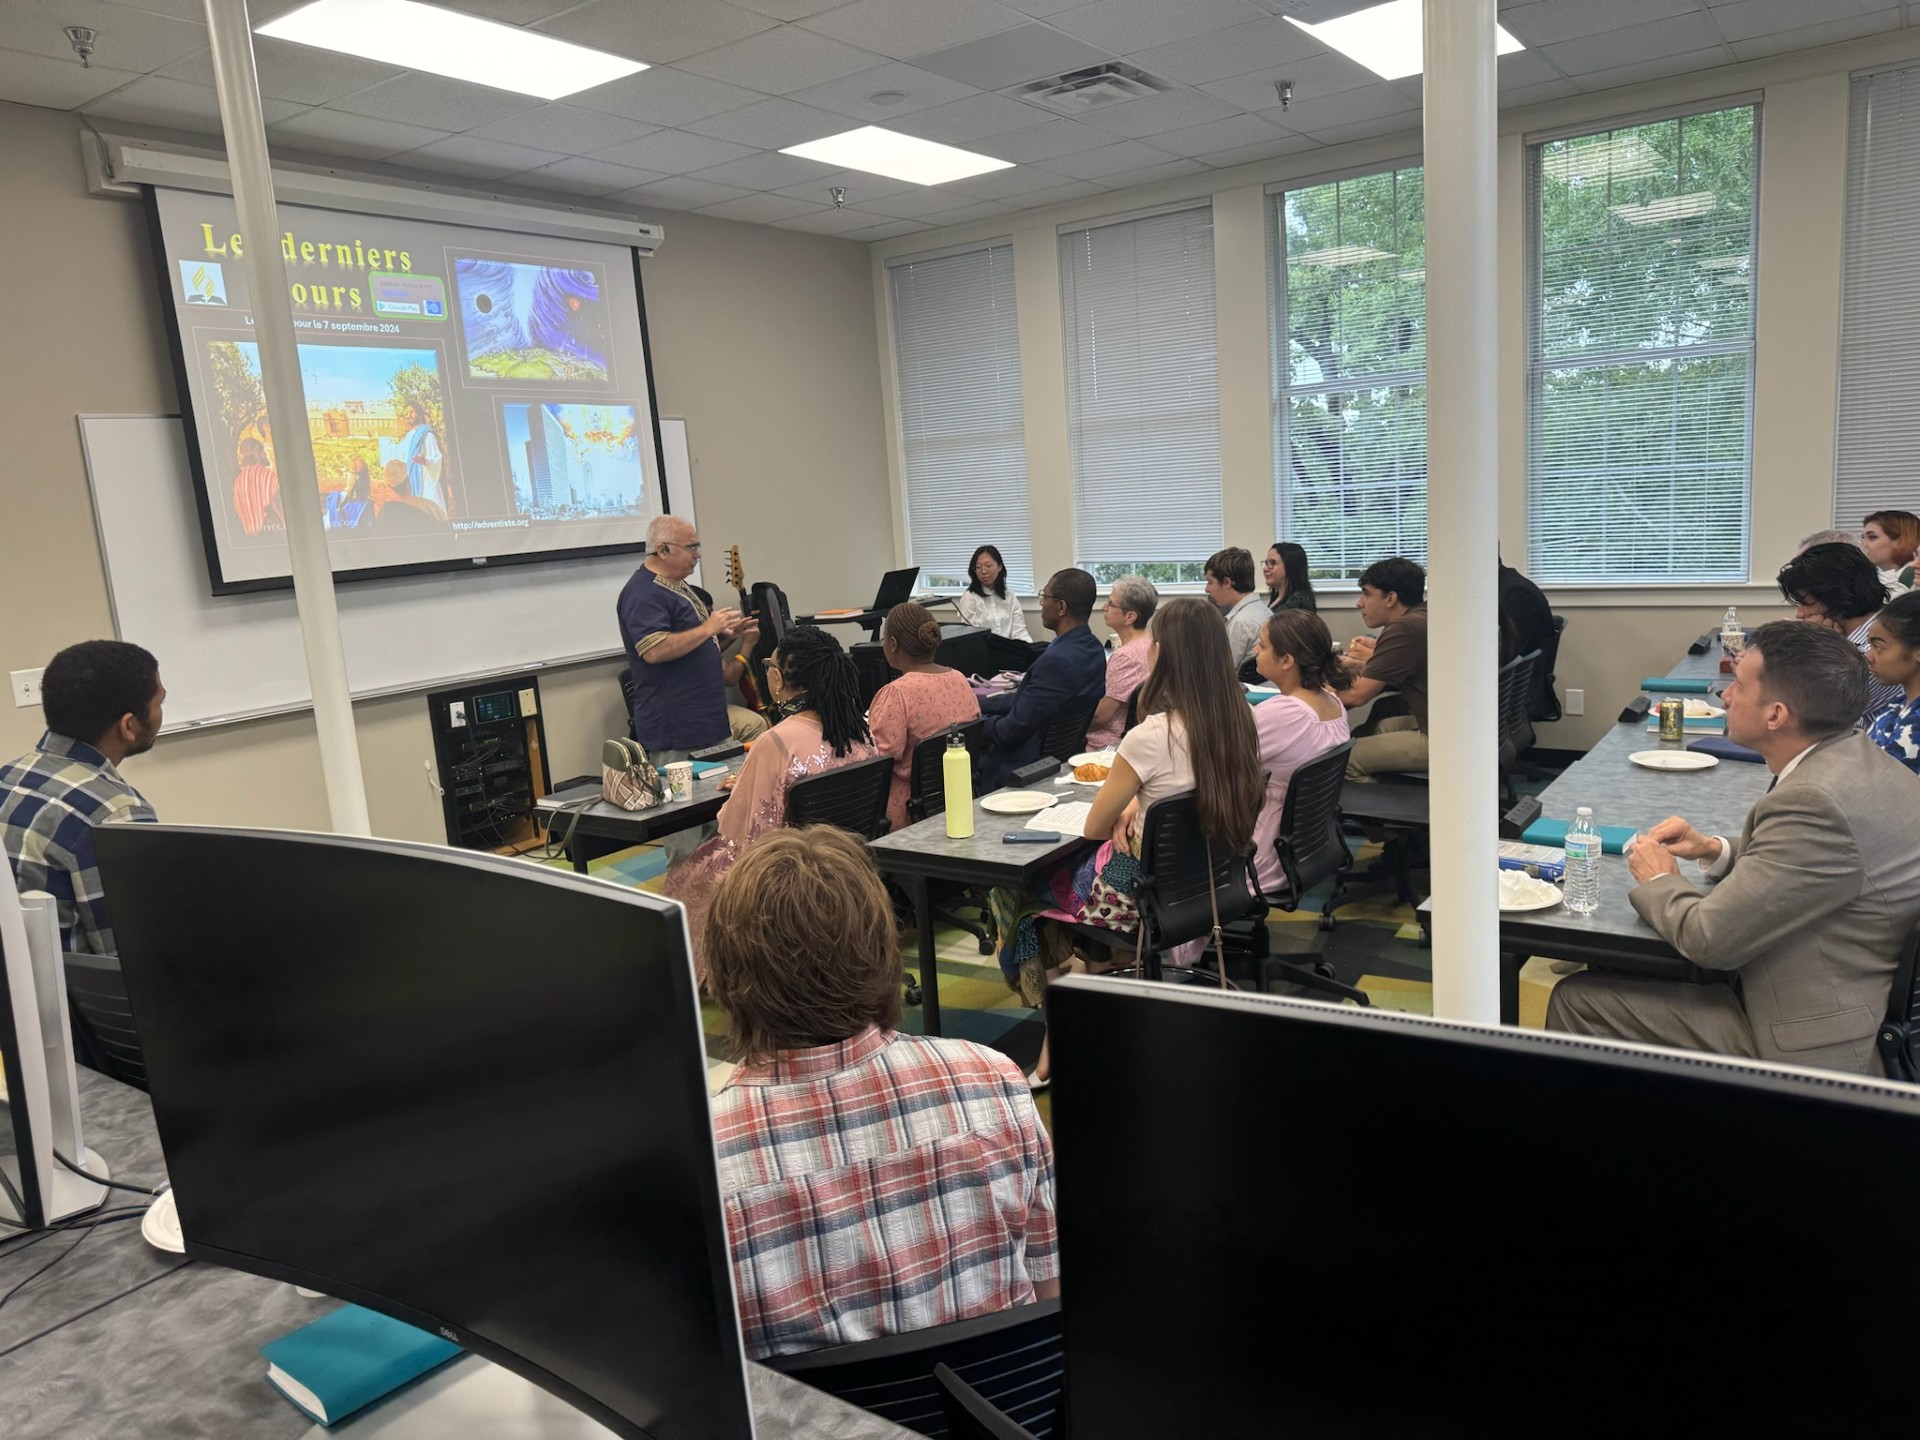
(1581,887)
(956,784)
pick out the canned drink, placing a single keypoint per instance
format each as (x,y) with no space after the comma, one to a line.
(1673,719)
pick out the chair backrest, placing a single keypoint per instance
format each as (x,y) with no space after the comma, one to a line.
(1133,709)
(1310,844)
(852,797)
(1012,1358)
(1542,703)
(99,994)
(629,692)
(1065,733)
(970,1415)
(1178,889)
(870,665)
(1516,684)
(1902,1025)
(926,777)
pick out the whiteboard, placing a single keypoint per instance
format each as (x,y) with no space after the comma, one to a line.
(234,657)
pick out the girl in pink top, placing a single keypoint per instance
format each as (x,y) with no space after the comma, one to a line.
(927,698)
(1304,720)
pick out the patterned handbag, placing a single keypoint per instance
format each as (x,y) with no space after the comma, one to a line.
(628,778)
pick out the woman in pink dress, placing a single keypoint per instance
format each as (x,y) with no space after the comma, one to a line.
(816,692)
(1305,720)
(1130,606)
(927,698)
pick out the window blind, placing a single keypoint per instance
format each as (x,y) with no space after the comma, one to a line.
(1880,302)
(1349,329)
(956,345)
(1640,366)
(1143,398)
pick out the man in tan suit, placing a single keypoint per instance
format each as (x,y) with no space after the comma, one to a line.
(1816,898)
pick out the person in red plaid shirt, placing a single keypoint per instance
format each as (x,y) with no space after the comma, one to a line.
(873,1182)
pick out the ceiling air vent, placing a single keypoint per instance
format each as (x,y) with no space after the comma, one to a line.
(1079,91)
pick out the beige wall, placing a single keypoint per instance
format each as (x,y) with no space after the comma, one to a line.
(1614,636)
(762,341)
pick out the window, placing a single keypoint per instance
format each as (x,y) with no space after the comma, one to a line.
(1880,305)
(1143,399)
(1640,365)
(1350,370)
(956,345)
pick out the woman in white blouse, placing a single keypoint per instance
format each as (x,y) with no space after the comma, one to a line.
(986,603)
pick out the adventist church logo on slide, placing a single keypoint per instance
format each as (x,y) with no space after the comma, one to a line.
(204,282)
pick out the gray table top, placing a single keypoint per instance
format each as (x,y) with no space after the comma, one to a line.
(926,849)
(127,1341)
(706,789)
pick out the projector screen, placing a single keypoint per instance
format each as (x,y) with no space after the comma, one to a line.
(473,396)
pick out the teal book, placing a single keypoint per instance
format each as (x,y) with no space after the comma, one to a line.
(1681,685)
(1553,833)
(345,1361)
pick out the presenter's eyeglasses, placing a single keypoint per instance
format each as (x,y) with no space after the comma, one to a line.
(693,549)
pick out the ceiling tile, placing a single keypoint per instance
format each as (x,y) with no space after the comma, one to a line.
(678,193)
(1523,67)
(195,10)
(974,118)
(464,155)
(577,176)
(832,222)
(1235,134)
(292,72)
(767,171)
(1829,33)
(1750,19)
(335,132)
(967,214)
(860,187)
(566,129)
(901,28)
(435,102)
(507,12)
(1013,185)
(1656,69)
(917,203)
(1548,22)
(772,124)
(55,84)
(1042,9)
(1407,124)
(1225,53)
(1108,160)
(1312,77)
(889,230)
(789,9)
(1157,114)
(1656,40)
(176,105)
(848,95)
(1043,141)
(1153,174)
(1537,94)
(673,152)
(664,96)
(128,39)
(1255,154)
(781,61)
(1349,107)
(656,31)
(1029,51)
(1125,26)
(760,209)
(1057,194)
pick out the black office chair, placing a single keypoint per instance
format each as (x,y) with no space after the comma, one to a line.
(970,1415)
(1012,1358)
(852,797)
(1065,733)
(1516,729)
(1133,710)
(1312,848)
(1901,1028)
(1543,703)
(98,994)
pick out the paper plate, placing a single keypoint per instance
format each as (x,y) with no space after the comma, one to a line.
(1017,802)
(1673,760)
(1527,892)
(1092,757)
(160,1226)
(1543,903)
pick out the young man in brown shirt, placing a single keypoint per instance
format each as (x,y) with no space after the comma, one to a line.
(1393,594)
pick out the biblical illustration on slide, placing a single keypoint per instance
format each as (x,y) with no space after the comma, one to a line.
(572,462)
(532,322)
(376,419)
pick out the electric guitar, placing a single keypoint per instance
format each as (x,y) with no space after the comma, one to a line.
(753,680)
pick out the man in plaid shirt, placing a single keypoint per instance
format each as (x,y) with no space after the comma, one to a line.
(873,1182)
(102,700)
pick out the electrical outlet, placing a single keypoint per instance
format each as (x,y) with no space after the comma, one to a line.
(528,704)
(26,687)
(457,715)
(1576,702)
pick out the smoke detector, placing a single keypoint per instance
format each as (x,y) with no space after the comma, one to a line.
(1079,91)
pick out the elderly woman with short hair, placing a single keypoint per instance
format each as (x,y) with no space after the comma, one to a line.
(1130,607)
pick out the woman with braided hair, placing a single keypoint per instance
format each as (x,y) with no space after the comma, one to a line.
(927,699)
(820,726)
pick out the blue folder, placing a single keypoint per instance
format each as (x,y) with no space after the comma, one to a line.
(1613,838)
(1724,748)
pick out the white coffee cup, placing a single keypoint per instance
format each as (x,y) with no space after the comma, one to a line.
(680,778)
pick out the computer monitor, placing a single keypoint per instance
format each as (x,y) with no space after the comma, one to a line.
(467,1091)
(1282,1218)
(896,588)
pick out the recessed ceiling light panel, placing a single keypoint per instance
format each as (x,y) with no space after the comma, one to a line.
(1388,39)
(898,157)
(445,42)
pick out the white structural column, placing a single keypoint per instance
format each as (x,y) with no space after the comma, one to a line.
(1463,504)
(246,132)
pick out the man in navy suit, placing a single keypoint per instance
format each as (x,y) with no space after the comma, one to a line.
(1071,673)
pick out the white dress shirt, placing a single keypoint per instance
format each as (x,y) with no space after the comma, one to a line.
(1003,615)
(1723,862)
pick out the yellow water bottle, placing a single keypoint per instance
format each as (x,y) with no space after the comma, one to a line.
(956,783)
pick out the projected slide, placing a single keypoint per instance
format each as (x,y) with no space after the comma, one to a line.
(471,396)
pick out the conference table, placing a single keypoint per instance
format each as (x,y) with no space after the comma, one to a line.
(119,1339)
(593,828)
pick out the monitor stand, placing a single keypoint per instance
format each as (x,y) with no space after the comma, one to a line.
(469,1396)
(72,1194)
